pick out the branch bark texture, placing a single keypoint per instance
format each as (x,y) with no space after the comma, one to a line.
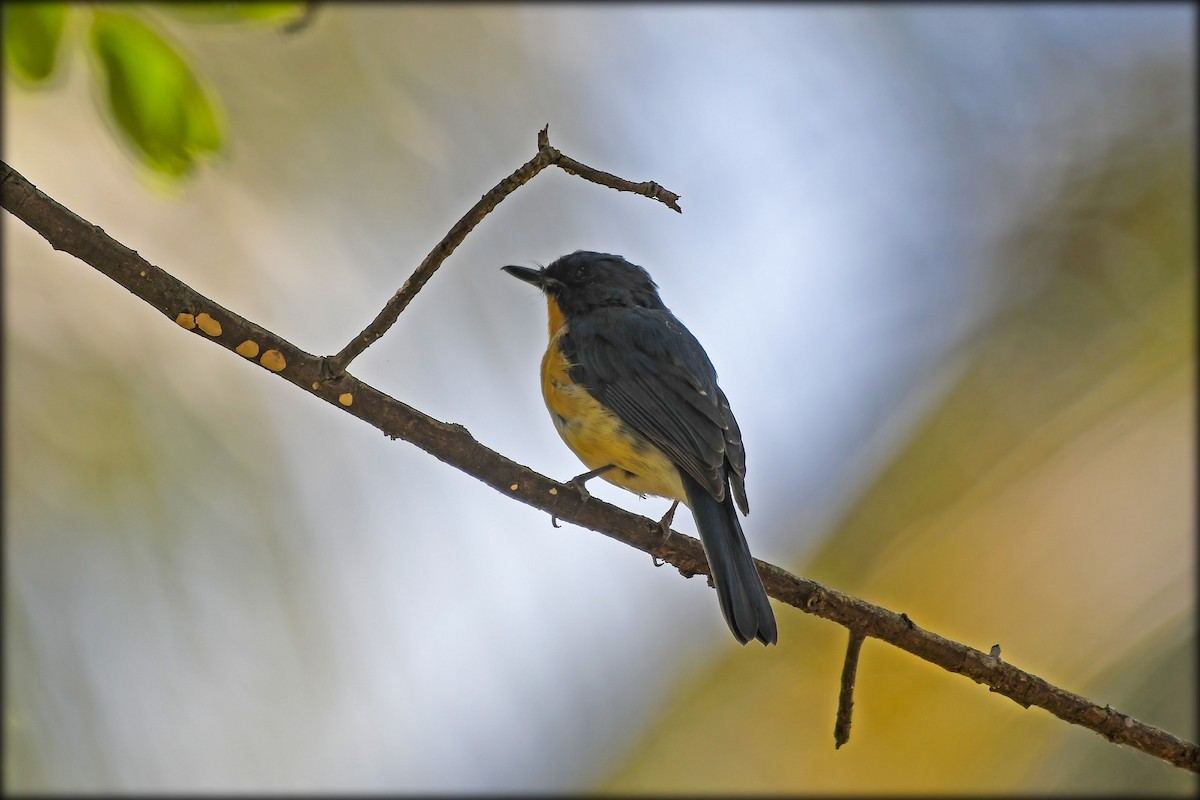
(454,445)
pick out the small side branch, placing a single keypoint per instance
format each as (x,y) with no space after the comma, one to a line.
(334,366)
(645,188)
(841,728)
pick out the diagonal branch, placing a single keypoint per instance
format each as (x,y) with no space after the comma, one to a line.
(546,156)
(454,445)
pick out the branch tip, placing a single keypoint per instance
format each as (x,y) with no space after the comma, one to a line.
(841,728)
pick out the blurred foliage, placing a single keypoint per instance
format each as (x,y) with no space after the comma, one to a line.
(161,106)
(1045,503)
(279,14)
(156,98)
(32,33)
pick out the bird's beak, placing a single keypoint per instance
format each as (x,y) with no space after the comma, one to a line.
(535,276)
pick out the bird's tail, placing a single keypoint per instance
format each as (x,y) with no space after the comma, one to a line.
(739,589)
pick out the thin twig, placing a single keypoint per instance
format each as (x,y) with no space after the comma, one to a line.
(572,167)
(841,728)
(454,445)
(546,156)
(336,365)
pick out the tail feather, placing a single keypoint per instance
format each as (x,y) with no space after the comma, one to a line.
(739,588)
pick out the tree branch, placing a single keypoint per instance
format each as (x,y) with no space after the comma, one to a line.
(546,156)
(454,445)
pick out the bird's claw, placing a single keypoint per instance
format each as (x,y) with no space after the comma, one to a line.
(579,480)
(581,487)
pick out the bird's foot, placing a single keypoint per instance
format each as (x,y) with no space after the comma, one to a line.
(579,481)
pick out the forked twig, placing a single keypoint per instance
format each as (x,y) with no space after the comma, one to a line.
(334,366)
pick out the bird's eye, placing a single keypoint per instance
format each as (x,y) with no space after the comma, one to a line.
(583,272)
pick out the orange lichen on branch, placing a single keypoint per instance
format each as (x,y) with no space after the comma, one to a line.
(273,360)
(207,324)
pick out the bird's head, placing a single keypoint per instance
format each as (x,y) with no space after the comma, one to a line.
(584,281)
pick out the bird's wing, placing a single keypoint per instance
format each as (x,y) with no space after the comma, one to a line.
(735,453)
(649,369)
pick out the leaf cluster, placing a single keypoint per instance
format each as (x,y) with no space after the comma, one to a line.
(159,104)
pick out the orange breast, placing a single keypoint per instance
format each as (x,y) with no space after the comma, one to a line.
(596,435)
(555,316)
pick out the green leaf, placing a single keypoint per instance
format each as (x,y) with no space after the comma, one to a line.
(280,14)
(156,98)
(32,32)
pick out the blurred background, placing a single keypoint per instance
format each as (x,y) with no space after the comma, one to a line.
(943,258)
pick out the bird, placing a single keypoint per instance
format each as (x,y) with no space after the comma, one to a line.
(634,396)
